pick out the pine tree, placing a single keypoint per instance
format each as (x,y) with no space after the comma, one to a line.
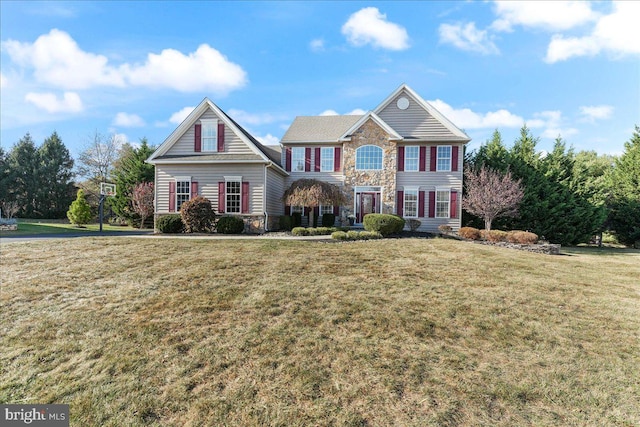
(79,212)
(56,182)
(24,177)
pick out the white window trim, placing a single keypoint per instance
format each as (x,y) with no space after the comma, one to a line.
(332,158)
(438,158)
(448,191)
(404,201)
(214,123)
(304,158)
(228,179)
(324,206)
(381,161)
(181,179)
(406,169)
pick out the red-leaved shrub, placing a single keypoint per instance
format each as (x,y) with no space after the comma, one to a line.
(494,235)
(469,233)
(522,237)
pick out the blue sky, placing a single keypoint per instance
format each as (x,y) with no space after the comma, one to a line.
(134,69)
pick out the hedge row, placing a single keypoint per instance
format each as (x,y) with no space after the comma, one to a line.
(514,236)
(355,235)
(317,231)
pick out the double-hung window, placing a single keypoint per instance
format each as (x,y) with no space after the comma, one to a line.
(297,209)
(410,203)
(443,198)
(209,135)
(297,159)
(183,192)
(411,158)
(326,209)
(369,157)
(443,162)
(233,195)
(326,159)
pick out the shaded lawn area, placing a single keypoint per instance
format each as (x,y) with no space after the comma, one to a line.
(410,332)
(33,227)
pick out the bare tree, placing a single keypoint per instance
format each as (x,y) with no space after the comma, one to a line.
(142,201)
(97,159)
(313,193)
(491,194)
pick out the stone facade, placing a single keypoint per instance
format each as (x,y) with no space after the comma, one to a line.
(370,134)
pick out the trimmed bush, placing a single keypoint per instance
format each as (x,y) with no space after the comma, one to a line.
(522,237)
(170,224)
(384,224)
(469,233)
(339,235)
(286,223)
(328,220)
(197,215)
(444,229)
(370,235)
(300,231)
(230,225)
(413,224)
(494,235)
(355,235)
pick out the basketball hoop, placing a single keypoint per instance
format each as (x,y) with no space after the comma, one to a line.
(107,189)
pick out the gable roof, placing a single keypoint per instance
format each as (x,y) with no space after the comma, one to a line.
(318,128)
(457,133)
(373,116)
(267,155)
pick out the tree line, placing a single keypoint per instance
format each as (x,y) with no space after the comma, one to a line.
(42,181)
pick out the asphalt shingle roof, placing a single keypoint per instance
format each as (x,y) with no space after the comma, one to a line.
(318,128)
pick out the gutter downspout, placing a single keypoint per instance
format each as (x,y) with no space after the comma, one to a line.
(264,198)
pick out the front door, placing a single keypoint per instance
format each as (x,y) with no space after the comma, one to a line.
(366,203)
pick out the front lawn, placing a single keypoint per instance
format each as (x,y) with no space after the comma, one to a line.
(30,227)
(394,332)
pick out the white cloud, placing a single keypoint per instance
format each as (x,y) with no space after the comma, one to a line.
(128,120)
(357,112)
(179,116)
(70,102)
(369,26)
(468,119)
(329,113)
(548,15)
(596,112)
(551,121)
(56,59)
(467,37)
(317,45)
(268,139)
(617,33)
(204,69)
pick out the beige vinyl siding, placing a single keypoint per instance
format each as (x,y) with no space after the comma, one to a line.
(336,178)
(275,190)
(208,177)
(415,121)
(232,143)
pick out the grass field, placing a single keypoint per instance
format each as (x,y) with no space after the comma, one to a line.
(407,332)
(32,227)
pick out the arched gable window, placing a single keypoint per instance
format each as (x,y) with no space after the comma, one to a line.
(369,157)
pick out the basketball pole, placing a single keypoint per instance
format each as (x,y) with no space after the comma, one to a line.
(102,197)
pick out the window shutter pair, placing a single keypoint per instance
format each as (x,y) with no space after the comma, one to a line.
(400,209)
(454,158)
(172,193)
(197,144)
(244,197)
(422,165)
(453,204)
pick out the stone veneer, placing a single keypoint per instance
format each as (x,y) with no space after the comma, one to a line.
(370,134)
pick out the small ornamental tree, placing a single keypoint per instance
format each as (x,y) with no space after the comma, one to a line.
(197,215)
(142,201)
(490,194)
(79,212)
(313,193)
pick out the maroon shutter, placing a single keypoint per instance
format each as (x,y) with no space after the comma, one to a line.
(172,196)
(453,208)
(194,189)
(221,196)
(434,154)
(400,159)
(197,142)
(287,152)
(454,159)
(336,210)
(317,163)
(432,204)
(400,209)
(307,159)
(287,210)
(423,158)
(336,159)
(245,197)
(220,137)
(421,204)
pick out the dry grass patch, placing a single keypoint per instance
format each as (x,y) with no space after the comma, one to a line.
(394,332)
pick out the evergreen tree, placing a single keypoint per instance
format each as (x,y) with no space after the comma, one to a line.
(24,177)
(79,212)
(56,170)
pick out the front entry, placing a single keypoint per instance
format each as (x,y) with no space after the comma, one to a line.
(367,202)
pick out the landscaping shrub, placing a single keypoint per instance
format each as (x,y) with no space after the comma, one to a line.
(494,235)
(469,233)
(384,224)
(197,215)
(230,225)
(339,235)
(444,229)
(522,237)
(328,220)
(355,235)
(170,224)
(296,219)
(370,235)
(300,231)
(286,223)
(413,224)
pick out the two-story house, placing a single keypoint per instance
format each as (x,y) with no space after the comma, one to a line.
(403,157)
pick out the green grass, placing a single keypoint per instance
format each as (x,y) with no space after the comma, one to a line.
(33,227)
(406,332)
